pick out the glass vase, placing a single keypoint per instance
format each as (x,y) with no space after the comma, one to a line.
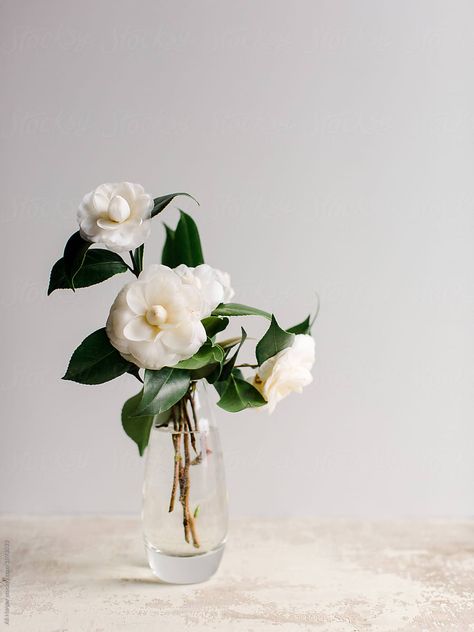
(185,513)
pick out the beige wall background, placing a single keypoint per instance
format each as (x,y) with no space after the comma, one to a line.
(331,147)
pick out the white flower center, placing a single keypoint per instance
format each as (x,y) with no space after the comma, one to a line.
(157,315)
(118,210)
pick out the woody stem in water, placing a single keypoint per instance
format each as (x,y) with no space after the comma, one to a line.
(185,434)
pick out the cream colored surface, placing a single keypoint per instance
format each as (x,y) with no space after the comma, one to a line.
(90,575)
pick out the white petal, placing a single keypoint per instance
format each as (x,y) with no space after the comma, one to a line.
(118,209)
(138,329)
(153,355)
(89,226)
(100,202)
(120,315)
(212,289)
(107,224)
(304,347)
(136,298)
(153,270)
(106,189)
(137,189)
(129,235)
(126,190)
(143,205)
(186,339)
(162,290)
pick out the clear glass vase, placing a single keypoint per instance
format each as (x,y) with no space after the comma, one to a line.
(184,493)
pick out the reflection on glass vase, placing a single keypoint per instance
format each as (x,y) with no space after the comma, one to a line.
(184,493)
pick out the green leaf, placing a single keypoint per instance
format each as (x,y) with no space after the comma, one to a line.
(162,389)
(238,395)
(236,309)
(98,266)
(274,340)
(238,373)
(135,371)
(207,363)
(74,255)
(187,244)
(168,255)
(57,278)
(96,361)
(160,203)
(137,428)
(137,259)
(221,387)
(301,328)
(229,365)
(210,372)
(213,325)
(207,354)
(182,245)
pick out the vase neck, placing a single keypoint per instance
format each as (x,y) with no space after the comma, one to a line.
(191,413)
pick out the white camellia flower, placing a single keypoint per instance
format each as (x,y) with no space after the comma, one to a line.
(116,215)
(155,321)
(214,284)
(286,372)
(224,280)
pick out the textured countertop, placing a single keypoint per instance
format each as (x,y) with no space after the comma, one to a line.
(89,574)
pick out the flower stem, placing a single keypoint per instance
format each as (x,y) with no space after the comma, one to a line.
(183,486)
(176,437)
(183,431)
(193,408)
(189,516)
(189,428)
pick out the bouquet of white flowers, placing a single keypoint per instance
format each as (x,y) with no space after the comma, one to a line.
(165,326)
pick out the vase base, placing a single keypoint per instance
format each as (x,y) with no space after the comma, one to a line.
(175,569)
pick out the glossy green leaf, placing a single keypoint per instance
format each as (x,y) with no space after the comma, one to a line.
(187,243)
(168,255)
(274,341)
(57,278)
(135,371)
(236,309)
(98,266)
(96,361)
(221,387)
(137,259)
(137,428)
(229,365)
(182,245)
(301,328)
(214,325)
(162,389)
(160,203)
(74,255)
(238,395)
(209,353)
(210,372)
(238,373)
